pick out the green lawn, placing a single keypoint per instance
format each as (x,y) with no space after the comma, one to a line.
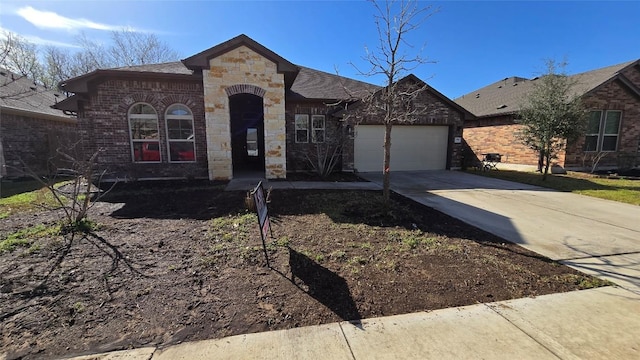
(622,190)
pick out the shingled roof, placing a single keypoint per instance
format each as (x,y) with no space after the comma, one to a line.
(308,83)
(316,84)
(506,96)
(19,95)
(175,67)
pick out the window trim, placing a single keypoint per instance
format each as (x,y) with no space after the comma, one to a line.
(314,129)
(604,129)
(601,132)
(595,134)
(303,118)
(192,141)
(133,141)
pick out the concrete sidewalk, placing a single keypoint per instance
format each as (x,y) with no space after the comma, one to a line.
(599,323)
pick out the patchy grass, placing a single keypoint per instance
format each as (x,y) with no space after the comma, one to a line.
(583,281)
(621,190)
(27,201)
(26,237)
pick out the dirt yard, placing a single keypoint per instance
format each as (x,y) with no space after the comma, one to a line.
(173,262)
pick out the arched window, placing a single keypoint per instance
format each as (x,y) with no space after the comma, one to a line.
(145,137)
(180,137)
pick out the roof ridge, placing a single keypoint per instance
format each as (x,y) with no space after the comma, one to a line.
(621,66)
(142,65)
(336,75)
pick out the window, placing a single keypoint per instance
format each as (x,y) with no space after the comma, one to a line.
(602,131)
(180,136)
(317,128)
(145,137)
(593,131)
(610,131)
(302,128)
(252,142)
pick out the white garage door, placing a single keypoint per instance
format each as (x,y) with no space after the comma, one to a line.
(413,147)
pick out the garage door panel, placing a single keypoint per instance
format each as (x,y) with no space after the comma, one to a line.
(413,147)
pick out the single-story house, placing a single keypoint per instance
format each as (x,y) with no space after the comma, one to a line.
(31,132)
(612,139)
(240,108)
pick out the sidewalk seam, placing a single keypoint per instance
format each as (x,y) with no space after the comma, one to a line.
(550,350)
(155,350)
(347,341)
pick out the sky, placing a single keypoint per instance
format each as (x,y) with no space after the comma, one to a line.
(469,44)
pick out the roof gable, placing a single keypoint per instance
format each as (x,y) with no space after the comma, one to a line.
(201,60)
(412,78)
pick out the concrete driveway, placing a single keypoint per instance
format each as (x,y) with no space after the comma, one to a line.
(598,237)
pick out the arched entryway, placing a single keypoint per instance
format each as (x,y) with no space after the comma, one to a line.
(247,134)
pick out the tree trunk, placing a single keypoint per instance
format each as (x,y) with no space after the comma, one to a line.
(547,157)
(386,172)
(540,160)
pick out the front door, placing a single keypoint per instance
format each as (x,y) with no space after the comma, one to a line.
(247,133)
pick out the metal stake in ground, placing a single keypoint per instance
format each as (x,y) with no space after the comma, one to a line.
(263,218)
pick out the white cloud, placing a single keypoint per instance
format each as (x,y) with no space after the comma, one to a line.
(51,20)
(40,41)
(37,40)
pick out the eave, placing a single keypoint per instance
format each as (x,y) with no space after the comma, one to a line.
(81,83)
(36,114)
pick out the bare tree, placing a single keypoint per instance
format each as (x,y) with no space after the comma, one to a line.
(50,65)
(394,103)
(57,64)
(134,48)
(20,56)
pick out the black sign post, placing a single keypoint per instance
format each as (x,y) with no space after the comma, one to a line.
(263,217)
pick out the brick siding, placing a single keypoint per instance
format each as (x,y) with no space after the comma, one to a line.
(498,134)
(296,152)
(103,124)
(30,144)
(613,96)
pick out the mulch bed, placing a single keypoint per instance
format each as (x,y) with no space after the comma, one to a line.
(183,261)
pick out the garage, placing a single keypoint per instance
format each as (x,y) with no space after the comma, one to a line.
(413,147)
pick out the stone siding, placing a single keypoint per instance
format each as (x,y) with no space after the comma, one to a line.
(103,124)
(237,69)
(30,144)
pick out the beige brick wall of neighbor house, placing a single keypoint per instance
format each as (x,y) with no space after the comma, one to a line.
(236,67)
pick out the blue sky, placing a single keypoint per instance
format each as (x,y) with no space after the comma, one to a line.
(472,44)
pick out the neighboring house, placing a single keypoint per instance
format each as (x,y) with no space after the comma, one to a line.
(611,94)
(31,132)
(239,108)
